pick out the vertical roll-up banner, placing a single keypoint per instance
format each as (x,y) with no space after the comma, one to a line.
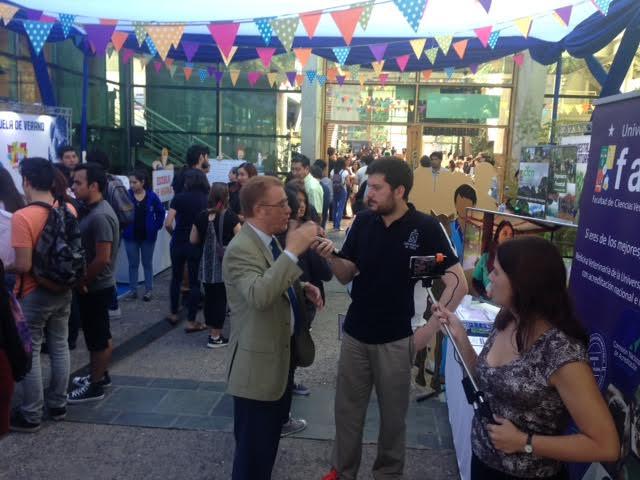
(605,276)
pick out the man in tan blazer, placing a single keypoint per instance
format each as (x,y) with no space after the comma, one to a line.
(269,334)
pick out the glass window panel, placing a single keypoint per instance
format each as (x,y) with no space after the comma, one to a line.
(248,112)
(497,72)
(189,109)
(450,104)
(576,78)
(272,153)
(371,103)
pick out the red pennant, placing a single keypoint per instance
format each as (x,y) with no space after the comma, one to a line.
(224,35)
(118,38)
(483,35)
(460,48)
(187,72)
(402,62)
(303,55)
(265,55)
(108,21)
(346,20)
(126,55)
(383,77)
(310,21)
(426,75)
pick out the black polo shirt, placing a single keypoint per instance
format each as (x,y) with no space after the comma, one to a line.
(382,294)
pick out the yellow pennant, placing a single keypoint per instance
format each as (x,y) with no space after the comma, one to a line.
(524,25)
(234,74)
(378,66)
(418,46)
(272,77)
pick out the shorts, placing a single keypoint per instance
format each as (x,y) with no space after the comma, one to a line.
(94,312)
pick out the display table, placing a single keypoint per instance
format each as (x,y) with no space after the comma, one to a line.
(460,412)
(161,259)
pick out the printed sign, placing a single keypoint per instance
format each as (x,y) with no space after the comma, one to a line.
(161,184)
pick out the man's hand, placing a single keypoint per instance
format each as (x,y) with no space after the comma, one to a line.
(300,239)
(324,248)
(314,295)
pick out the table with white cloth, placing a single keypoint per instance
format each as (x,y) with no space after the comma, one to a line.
(476,315)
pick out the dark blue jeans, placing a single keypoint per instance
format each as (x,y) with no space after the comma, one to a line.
(181,255)
(135,251)
(339,202)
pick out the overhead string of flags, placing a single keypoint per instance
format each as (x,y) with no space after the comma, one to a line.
(158,41)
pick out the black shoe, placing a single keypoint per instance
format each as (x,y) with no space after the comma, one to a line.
(91,392)
(57,413)
(147,296)
(20,424)
(86,379)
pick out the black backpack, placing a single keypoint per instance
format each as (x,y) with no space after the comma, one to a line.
(119,199)
(58,257)
(336,180)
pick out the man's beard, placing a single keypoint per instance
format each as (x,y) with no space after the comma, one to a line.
(384,209)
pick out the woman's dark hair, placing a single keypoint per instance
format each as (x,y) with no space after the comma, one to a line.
(339,166)
(539,287)
(493,246)
(60,186)
(142,176)
(396,173)
(250,168)
(9,194)
(196,181)
(218,197)
(297,186)
(292,200)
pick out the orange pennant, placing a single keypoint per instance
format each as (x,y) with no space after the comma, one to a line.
(310,21)
(162,36)
(426,75)
(346,21)
(234,74)
(118,38)
(187,72)
(460,47)
(303,55)
(108,21)
(332,73)
(299,79)
(272,77)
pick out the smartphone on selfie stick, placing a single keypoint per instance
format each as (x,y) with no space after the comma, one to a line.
(427,269)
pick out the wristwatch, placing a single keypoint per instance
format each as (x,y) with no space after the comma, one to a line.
(528,448)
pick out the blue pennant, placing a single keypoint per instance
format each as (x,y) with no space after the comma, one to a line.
(152,46)
(341,54)
(311,76)
(264,26)
(38,33)
(493,38)
(322,79)
(413,10)
(66,21)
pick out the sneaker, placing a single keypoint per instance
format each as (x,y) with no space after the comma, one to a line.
(86,380)
(332,475)
(300,389)
(147,296)
(115,314)
(217,342)
(293,426)
(90,392)
(57,413)
(131,295)
(20,424)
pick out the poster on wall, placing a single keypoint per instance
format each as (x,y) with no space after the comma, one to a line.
(533,180)
(605,277)
(561,195)
(28,135)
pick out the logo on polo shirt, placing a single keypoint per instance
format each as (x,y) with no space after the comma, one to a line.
(412,243)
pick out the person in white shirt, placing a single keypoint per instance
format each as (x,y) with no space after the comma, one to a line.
(300,168)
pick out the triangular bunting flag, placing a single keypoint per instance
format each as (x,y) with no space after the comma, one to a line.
(108,21)
(227,58)
(322,79)
(354,70)
(66,20)
(157,65)
(602,5)
(272,78)
(346,21)
(38,32)
(303,55)
(412,10)
(211,70)
(431,54)
(285,29)
(341,54)
(378,66)
(253,78)
(264,27)
(460,47)
(224,34)
(162,36)
(202,74)
(291,76)
(188,70)
(127,55)
(367,7)
(449,72)
(418,46)
(110,50)
(340,79)
(146,58)
(332,73)
(361,78)
(140,31)
(310,22)
(378,50)
(266,54)
(234,74)
(33,15)
(486,4)
(190,49)
(426,75)
(7,12)
(218,76)
(299,79)
(383,77)
(168,63)
(524,25)
(493,39)
(402,62)
(311,76)
(564,14)
(176,33)
(151,45)
(483,35)
(444,41)
(99,36)
(49,19)
(518,58)
(474,68)
(118,38)
(172,70)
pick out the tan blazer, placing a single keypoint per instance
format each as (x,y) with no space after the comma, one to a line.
(258,355)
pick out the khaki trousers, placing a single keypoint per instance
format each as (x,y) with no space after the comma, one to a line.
(362,366)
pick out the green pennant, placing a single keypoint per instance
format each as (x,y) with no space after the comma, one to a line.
(431,54)
(285,29)
(366,13)
(140,31)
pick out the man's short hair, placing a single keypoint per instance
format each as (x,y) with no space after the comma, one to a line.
(99,157)
(438,155)
(331,151)
(95,174)
(64,149)
(466,191)
(396,173)
(316,171)
(320,163)
(38,172)
(302,159)
(367,159)
(425,161)
(193,154)
(254,191)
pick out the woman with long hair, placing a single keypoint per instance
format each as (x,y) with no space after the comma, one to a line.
(212,231)
(141,235)
(245,171)
(484,267)
(10,198)
(534,372)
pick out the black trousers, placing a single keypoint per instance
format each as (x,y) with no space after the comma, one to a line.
(481,471)
(256,427)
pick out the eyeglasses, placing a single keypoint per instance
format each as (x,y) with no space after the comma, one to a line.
(283,204)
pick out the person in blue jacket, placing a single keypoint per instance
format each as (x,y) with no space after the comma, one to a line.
(140,236)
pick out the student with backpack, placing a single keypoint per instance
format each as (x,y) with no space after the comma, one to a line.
(339,179)
(48,260)
(212,230)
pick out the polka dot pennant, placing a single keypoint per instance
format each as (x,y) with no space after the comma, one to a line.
(311,76)
(341,54)
(152,47)
(354,70)
(412,10)
(431,54)
(38,32)
(322,79)
(202,73)
(603,5)
(162,38)
(140,31)
(493,39)
(264,27)
(285,29)
(444,41)
(367,7)
(66,21)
